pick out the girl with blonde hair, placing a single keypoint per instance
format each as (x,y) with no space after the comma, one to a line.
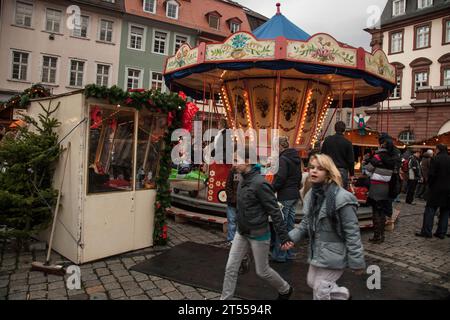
(331,223)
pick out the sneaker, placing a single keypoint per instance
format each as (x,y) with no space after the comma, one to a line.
(286,296)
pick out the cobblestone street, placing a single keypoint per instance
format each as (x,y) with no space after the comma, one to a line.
(402,256)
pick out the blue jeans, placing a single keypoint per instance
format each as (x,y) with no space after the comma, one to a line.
(288,212)
(428,221)
(231,217)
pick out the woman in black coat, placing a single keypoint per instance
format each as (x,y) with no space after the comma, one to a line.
(438,195)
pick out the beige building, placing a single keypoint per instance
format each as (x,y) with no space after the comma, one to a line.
(40,44)
(416,36)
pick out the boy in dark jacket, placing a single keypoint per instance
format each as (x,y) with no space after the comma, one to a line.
(255,203)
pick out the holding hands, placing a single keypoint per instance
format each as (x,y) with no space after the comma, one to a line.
(287,245)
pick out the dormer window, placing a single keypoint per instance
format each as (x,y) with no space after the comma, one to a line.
(172,8)
(234,24)
(214,19)
(398,7)
(422,4)
(149,6)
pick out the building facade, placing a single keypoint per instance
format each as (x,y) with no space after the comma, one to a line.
(153,30)
(43,42)
(416,36)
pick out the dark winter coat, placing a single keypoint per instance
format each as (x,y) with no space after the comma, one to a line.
(381,166)
(288,180)
(415,172)
(439,181)
(256,201)
(231,187)
(341,151)
(425,166)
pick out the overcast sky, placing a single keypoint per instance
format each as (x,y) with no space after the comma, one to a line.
(343,19)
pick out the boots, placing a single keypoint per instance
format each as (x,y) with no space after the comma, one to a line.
(379,221)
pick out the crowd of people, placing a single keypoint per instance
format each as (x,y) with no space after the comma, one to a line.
(261,215)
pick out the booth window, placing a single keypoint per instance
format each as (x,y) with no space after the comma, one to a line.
(149,146)
(111,149)
(406,137)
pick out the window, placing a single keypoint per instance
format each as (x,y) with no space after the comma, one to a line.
(134,78)
(338,115)
(446,31)
(422,4)
(76,73)
(149,6)
(179,40)
(150,143)
(53,21)
(407,137)
(399,7)
(214,21)
(420,80)
(234,27)
(396,94)
(136,38)
(106,30)
(110,152)
(20,65)
(396,42)
(102,75)
(172,9)
(446,80)
(24,13)
(157,81)
(49,66)
(160,42)
(422,39)
(81,30)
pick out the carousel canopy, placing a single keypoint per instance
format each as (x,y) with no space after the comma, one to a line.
(369,140)
(431,143)
(278,26)
(281,78)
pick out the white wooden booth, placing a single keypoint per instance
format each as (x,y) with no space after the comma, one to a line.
(108,196)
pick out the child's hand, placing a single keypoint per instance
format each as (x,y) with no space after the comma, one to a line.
(287,245)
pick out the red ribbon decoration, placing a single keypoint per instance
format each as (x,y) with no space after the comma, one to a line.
(170,118)
(188,114)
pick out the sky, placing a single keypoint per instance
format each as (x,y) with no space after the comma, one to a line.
(343,19)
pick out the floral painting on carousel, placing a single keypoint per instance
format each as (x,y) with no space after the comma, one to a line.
(323,49)
(378,64)
(292,96)
(240,46)
(262,98)
(311,114)
(185,56)
(236,97)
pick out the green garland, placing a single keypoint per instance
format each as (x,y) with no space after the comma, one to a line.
(171,104)
(23,99)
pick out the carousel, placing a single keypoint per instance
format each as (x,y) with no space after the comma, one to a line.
(279,77)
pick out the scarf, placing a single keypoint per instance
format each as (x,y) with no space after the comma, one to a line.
(320,193)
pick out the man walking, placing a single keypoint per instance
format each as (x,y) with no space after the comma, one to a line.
(425,168)
(287,183)
(439,195)
(341,151)
(414,176)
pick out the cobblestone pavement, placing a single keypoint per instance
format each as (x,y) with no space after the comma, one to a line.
(402,256)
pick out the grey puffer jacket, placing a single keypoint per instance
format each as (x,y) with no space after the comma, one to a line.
(256,201)
(333,245)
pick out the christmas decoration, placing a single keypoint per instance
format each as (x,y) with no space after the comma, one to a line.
(27,163)
(23,99)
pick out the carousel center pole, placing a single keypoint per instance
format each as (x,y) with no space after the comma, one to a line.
(353,104)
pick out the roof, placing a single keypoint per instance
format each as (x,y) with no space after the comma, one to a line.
(278,26)
(411,11)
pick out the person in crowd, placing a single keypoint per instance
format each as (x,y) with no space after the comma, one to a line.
(256,201)
(331,223)
(438,195)
(287,183)
(422,188)
(414,176)
(231,192)
(381,168)
(341,151)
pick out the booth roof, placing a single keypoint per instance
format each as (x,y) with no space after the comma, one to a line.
(278,26)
